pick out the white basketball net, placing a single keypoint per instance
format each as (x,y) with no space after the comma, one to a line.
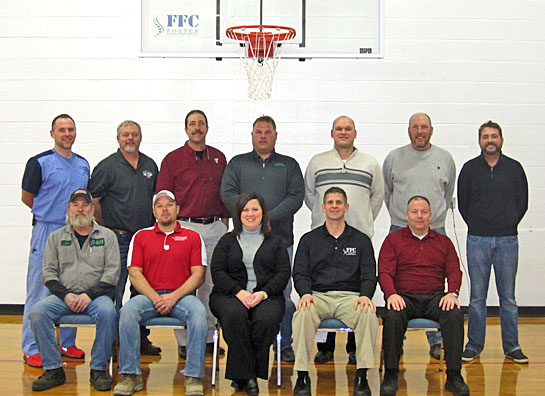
(260,55)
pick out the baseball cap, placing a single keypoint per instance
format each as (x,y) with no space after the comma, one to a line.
(80,192)
(163,193)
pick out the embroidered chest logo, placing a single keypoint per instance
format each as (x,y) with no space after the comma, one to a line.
(349,251)
(179,238)
(217,160)
(66,243)
(97,242)
(147,174)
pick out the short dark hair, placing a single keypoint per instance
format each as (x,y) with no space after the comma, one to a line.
(242,200)
(490,124)
(418,198)
(335,190)
(61,116)
(424,114)
(265,118)
(196,112)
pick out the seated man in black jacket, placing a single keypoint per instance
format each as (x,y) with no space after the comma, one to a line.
(334,274)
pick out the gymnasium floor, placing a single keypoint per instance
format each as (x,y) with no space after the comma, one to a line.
(491,374)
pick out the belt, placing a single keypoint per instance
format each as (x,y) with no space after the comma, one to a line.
(200,220)
(123,233)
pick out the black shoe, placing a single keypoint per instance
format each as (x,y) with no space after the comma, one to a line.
(352,357)
(147,348)
(251,387)
(517,356)
(456,384)
(182,352)
(323,356)
(49,379)
(287,355)
(469,354)
(389,383)
(361,387)
(99,380)
(239,385)
(435,351)
(302,386)
(210,349)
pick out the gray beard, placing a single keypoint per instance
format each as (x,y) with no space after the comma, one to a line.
(129,149)
(80,221)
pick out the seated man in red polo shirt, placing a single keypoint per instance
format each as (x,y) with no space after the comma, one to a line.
(412,266)
(166,265)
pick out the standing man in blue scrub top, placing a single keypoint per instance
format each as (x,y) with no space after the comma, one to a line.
(48,180)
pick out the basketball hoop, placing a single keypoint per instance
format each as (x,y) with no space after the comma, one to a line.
(261,47)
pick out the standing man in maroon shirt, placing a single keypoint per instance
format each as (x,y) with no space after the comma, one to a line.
(412,266)
(193,172)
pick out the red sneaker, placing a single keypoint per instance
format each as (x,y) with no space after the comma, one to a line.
(33,360)
(72,352)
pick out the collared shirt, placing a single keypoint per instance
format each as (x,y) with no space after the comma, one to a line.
(52,178)
(278,179)
(325,263)
(166,259)
(80,269)
(126,193)
(418,266)
(195,182)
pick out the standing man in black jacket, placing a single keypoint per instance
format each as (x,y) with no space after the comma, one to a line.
(335,276)
(492,198)
(278,179)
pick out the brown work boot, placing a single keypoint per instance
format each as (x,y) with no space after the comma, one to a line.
(129,384)
(193,386)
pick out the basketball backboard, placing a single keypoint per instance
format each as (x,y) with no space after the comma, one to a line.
(196,28)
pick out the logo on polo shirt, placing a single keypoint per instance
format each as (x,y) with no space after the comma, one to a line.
(147,174)
(217,160)
(179,238)
(349,251)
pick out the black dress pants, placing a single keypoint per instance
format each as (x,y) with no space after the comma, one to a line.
(423,306)
(249,333)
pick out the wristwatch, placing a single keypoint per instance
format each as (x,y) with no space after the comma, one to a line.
(265,295)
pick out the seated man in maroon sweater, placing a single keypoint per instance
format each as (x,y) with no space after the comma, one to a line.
(412,266)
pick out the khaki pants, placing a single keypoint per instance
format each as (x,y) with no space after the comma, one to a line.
(337,305)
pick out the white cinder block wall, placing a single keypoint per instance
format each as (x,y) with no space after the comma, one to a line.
(462,62)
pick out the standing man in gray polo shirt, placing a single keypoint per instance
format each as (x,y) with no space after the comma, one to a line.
(419,168)
(278,179)
(122,186)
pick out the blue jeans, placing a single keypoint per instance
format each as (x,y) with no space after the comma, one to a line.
(289,310)
(47,311)
(35,289)
(123,242)
(140,308)
(483,252)
(434,337)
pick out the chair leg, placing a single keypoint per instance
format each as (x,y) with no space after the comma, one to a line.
(215,337)
(278,360)
(441,357)
(381,364)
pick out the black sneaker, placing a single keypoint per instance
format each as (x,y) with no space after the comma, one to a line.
(182,352)
(99,380)
(302,386)
(435,351)
(517,356)
(210,349)
(287,355)
(456,384)
(323,357)
(361,387)
(352,358)
(389,383)
(147,348)
(49,379)
(469,354)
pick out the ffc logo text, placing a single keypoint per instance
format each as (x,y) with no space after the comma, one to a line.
(349,251)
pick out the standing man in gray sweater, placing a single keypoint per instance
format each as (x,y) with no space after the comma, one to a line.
(419,168)
(278,179)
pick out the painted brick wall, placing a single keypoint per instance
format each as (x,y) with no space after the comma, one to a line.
(462,62)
